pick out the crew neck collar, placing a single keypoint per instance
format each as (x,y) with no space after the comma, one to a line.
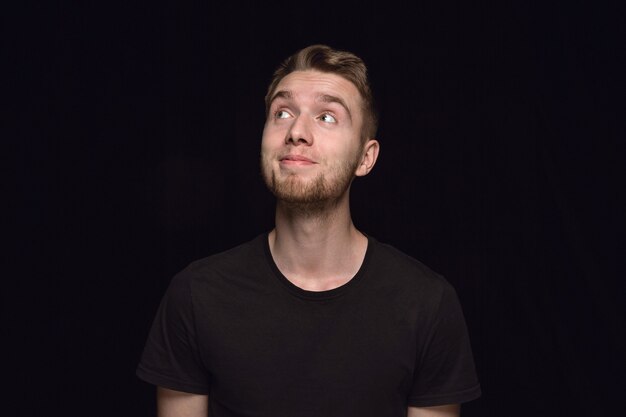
(317,295)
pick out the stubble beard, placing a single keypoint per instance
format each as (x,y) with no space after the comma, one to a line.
(312,197)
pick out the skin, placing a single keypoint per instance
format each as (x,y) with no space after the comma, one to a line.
(452,410)
(314,243)
(310,153)
(172,403)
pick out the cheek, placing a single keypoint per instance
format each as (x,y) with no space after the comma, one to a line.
(269,149)
(266,139)
(351,149)
(265,133)
(267,154)
(272,136)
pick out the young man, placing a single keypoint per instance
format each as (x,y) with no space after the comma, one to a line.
(314,318)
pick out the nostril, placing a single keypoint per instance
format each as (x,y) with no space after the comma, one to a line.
(297,140)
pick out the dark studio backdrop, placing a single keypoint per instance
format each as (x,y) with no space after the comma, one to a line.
(134,143)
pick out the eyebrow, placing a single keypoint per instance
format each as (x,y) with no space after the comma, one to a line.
(324,98)
(282,94)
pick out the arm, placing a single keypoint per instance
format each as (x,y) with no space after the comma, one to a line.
(181,404)
(452,410)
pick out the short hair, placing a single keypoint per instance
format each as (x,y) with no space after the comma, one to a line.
(326,59)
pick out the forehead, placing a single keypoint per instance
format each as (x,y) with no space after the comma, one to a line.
(315,83)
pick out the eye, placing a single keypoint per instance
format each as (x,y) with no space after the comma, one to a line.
(281,114)
(328,118)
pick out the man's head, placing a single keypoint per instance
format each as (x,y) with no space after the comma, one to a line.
(318,133)
(345,64)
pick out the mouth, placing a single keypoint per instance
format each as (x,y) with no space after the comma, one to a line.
(296,160)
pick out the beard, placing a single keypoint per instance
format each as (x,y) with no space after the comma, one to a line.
(310,196)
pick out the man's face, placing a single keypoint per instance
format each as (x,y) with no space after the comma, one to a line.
(311,144)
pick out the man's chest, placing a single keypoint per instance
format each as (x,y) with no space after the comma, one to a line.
(276,351)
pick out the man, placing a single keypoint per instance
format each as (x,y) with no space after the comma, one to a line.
(313,318)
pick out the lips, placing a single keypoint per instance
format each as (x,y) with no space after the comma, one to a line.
(296,158)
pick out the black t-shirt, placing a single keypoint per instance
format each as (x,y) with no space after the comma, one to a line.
(232,326)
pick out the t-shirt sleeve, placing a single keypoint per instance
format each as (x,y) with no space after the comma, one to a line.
(445,371)
(171,358)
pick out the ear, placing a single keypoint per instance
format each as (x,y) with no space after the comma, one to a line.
(369,157)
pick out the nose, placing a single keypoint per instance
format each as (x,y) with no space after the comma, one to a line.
(299,132)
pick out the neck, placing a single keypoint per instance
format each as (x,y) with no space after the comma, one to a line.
(317,249)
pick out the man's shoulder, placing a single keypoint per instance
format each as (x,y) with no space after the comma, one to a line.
(221,275)
(396,265)
(391,256)
(243,257)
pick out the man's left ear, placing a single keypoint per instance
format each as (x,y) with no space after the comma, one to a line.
(368,160)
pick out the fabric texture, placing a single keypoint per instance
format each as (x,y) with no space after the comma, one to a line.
(232,326)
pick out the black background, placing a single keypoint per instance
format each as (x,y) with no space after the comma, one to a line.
(133,135)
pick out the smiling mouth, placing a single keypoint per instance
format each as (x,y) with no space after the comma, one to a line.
(296,160)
